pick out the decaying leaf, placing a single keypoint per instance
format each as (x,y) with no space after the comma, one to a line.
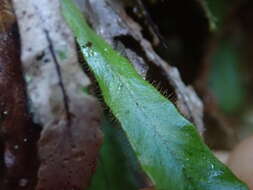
(70,139)
(18,134)
(68,155)
(6,15)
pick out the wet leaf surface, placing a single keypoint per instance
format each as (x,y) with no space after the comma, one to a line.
(167,146)
(111,21)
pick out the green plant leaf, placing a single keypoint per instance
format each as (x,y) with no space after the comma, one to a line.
(219,9)
(118,167)
(227,79)
(167,146)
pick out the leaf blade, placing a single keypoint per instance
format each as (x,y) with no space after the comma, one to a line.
(152,123)
(117,168)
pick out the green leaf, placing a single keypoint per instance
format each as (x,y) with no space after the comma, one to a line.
(117,165)
(219,9)
(226,80)
(167,146)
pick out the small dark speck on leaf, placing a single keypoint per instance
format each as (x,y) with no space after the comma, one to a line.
(28,29)
(88,44)
(40,56)
(46,60)
(30,16)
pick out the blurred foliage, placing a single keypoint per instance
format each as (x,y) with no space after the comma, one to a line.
(226,77)
(218,9)
(117,166)
(230,64)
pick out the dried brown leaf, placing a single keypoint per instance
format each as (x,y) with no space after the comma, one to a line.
(68,155)
(70,139)
(18,133)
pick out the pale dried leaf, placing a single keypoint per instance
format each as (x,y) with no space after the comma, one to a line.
(71,138)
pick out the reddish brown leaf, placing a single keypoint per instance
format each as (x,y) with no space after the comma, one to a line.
(18,133)
(68,155)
